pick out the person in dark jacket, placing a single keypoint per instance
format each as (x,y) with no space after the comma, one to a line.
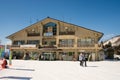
(85,59)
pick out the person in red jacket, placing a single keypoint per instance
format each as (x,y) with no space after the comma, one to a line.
(4,63)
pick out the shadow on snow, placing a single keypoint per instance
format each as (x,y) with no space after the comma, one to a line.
(14,77)
(21,69)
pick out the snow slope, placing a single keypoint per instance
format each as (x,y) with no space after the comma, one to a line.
(61,70)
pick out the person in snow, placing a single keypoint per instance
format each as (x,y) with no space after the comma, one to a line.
(81,59)
(85,59)
(3,63)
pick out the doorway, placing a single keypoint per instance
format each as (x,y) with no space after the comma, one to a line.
(48,56)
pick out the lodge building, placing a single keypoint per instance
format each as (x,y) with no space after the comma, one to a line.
(52,39)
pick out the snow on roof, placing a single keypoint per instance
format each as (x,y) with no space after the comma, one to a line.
(113,40)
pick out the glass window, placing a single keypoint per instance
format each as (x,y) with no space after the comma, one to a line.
(18,42)
(33,42)
(85,42)
(49,42)
(66,42)
(49,29)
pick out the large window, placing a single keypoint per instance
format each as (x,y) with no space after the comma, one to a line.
(18,42)
(66,42)
(49,29)
(33,42)
(85,42)
(49,42)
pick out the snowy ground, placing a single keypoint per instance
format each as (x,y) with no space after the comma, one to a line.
(61,70)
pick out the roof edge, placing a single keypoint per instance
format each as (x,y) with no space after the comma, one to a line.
(56,20)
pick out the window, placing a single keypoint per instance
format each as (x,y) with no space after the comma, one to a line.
(18,42)
(33,42)
(85,42)
(66,42)
(49,29)
(49,42)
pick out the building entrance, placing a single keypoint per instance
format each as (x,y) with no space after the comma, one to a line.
(66,56)
(48,56)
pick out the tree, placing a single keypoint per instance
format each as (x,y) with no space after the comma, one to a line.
(109,51)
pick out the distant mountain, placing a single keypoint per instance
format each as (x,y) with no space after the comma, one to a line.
(114,40)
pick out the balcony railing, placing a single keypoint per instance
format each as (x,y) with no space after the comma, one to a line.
(86,45)
(49,46)
(15,46)
(24,46)
(67,33)
(65,45)
(33,34)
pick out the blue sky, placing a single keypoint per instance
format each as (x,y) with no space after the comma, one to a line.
(99,15)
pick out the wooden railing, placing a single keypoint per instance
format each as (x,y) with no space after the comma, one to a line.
(33,34)
(67,33)
(65,45)
(86,45)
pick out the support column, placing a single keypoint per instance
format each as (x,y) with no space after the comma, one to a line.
(57,42)
(58,27)
(10,57)
(57,55)
(41,33)
(76,55)
(75,44)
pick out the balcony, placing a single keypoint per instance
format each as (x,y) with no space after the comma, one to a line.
(67,33)
(65,45)
(15,46)
(92,46)
(48,48)
(33,34)
(85,45)
(24,46)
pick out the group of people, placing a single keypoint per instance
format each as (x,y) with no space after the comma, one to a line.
(83,59)
(3,63)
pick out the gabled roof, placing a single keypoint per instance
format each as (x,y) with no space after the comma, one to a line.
(114,40)
(25,28)
(75,25)
(59,21)
(79,26)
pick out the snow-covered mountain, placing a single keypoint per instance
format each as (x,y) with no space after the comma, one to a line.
(114,40)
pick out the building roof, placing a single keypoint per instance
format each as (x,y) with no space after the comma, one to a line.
(56,20)
(115,41)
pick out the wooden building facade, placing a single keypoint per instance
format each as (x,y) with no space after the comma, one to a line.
(52,39)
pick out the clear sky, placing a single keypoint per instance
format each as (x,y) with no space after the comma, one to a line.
(99,15)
